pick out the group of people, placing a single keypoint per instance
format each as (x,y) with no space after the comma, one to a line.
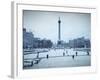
(68,54)
(73,56)
(64,53)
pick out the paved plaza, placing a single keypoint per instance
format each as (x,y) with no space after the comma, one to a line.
(59,58)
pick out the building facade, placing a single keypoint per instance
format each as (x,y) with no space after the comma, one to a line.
(80,43)
(29,41)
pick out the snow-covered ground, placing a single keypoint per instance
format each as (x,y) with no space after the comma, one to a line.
(56,58)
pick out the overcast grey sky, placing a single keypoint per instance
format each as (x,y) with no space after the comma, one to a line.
(44,24)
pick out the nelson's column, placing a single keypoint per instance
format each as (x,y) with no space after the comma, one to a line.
(59,32)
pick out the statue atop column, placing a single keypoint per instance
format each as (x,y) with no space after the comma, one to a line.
(59,32)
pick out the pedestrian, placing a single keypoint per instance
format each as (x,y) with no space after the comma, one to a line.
(76,53)
(37,54)
(31,63)
(72,56)
(37,61)
(87,53)
(66,51)
(47,56)
(63,53)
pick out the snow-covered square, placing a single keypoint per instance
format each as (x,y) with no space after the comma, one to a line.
(57,58)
